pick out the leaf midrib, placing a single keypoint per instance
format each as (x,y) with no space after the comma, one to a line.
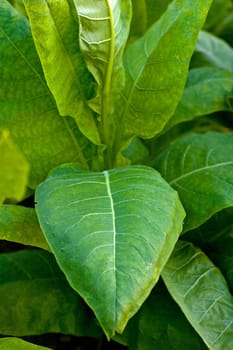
(195,171)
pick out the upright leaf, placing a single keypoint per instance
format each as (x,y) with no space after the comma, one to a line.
(104,29)
(19,344)
(212,51)
(20,224)
(37,299)
(156,69)
(200,168)
(27,108)
(55,33)
(14,169)
(207,91)
(200,290)
(111,232)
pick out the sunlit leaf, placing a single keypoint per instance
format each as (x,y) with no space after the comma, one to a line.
(201,291)
(157,66)
(111,232)
(20,224)
(14,169)
(27,108)
(55,32)
(19,344)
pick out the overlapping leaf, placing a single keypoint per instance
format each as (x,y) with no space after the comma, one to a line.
(19,344)
(55,33)
(104,28)
(36,298)
(157,66)
(26,106)
(112,232)
(160,324)
(212,51)
(200,168)
(14,169)
(207,90)
(218,12)
(20,224)
(202,293)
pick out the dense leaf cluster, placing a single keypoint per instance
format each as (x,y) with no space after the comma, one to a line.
(116,118)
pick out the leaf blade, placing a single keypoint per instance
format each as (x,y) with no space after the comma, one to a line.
(28,110)
(61,60)
(14,170)
(34,288)
(207,91)
(10,343)
(202,293)
(199,167)
(20,224)
(107,227)
(156,69)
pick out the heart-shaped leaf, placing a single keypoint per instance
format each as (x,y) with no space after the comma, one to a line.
(112,233)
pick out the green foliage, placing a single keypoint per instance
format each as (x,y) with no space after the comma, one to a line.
(141,218)
(14,170)
(19,344)
(201,291)
(91,96)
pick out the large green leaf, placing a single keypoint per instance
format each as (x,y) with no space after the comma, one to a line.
(18,344)
(36,298)
(111,232)
(200,168)
(202,293)
(212,51)
(207,90)
(157,66)
(27,108)
(20,224)
(55,32)
(160,324)
(14,170)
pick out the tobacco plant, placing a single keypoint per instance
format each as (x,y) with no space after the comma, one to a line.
(115,119)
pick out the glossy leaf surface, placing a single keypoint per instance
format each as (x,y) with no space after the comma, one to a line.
(14,169)
(111,232)
(27,107)
(200,168)
(55,32)
(20,224)
(156,69)
(207,91)
(202,293)
(36,298)
(19,344)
